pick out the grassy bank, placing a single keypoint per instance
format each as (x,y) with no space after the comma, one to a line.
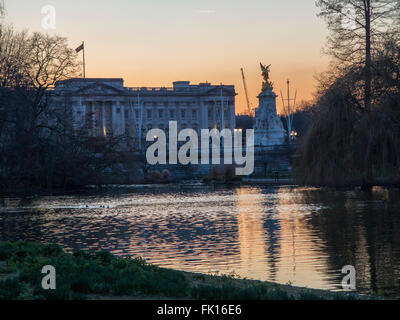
(101,275)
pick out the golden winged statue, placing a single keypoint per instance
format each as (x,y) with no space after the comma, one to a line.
(265,74)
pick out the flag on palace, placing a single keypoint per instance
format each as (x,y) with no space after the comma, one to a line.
(80,48)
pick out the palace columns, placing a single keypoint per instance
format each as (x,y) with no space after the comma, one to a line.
(93,113)
(103,118)
(122,118)
(114,117)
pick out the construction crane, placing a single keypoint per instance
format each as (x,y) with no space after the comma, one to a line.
(249,109)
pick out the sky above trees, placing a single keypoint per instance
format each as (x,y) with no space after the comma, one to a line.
(153,43)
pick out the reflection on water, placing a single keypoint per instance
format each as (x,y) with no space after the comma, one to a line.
(285,234)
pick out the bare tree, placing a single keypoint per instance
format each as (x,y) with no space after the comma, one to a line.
(50,60)
(40,148)
(14,57)
(358,30)
(29,66)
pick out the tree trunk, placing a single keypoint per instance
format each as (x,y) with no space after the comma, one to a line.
(368,170)
(368,75)
(368,175)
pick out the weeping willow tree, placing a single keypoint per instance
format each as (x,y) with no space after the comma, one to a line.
(338,143)
(356,137)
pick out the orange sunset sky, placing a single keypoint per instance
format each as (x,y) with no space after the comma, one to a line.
(156,42)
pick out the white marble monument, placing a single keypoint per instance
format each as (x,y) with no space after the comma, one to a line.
(268,129)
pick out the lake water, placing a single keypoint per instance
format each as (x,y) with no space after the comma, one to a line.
(283,234)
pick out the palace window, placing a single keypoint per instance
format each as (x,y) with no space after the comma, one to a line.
(161,114)
(172,114)
(194,114)
(210,113)
(149,114)
(183,114)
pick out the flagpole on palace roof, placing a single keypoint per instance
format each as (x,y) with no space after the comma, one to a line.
(79,49)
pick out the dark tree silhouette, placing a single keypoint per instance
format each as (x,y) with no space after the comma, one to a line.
(39,146)
(358,29)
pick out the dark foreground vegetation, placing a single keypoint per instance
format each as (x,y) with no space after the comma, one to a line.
(81,275)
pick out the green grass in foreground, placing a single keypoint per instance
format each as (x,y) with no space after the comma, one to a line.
(81,275)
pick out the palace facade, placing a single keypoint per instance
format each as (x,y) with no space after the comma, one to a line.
(113,109)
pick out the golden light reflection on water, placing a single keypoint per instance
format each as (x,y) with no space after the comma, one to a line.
(276,244)
(251,233)
(299,246)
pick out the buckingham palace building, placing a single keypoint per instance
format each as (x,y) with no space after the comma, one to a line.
(113,109)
